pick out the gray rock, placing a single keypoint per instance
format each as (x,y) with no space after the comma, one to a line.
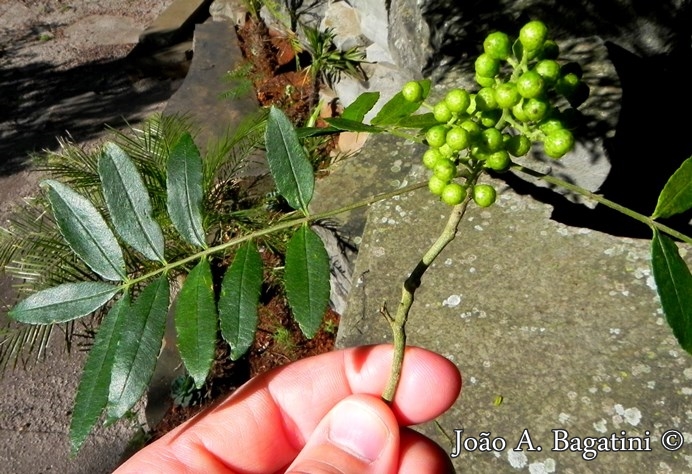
(553,327)
(385,78)
(409,36)
(341,260)
(344,20)
(229,10)
(374,20)
(200,97)
(106,29)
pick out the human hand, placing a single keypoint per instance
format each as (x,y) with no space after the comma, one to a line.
(323,414)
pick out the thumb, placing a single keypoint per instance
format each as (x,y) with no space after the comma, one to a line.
(359,435)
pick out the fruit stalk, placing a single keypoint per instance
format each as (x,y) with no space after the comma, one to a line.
(408,290)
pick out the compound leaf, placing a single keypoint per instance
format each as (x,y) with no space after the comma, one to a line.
(128,202)
(288,163)
(195,322)
(306,278)
(398,108)
(184,188)
(240,292)
(63,303)
(362,105)
(674,283)
(676,196)
(92,393)
(85,231)
(138,349)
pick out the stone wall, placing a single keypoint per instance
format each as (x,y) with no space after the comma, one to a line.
(422,35)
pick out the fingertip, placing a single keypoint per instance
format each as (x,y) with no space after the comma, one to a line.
(429,386)
(420,455)
(359,435)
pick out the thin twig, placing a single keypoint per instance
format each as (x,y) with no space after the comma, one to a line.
(411,284)
(606,202)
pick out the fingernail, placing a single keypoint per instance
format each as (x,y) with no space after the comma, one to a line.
(356,428)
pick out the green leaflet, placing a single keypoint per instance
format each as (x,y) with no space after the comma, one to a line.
(306,277)
(422,121)
(351,125)
(288,163)
(676,196)
(398,108)
(92,394)
(128,203)
(362,105)
(184,188)
(85,231)
(140,342)
(240,292)
(195,322)
(63,302)
(674,283)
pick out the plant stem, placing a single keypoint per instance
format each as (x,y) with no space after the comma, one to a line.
(411,284)
(271,229)
(606,202)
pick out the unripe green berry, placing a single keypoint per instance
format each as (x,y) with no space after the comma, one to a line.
(518,145)
(491,140)
(533,35)
(436,185)
(518,112)
(453,194)
(497,45)
(485,99)
(489,118)
(458,138)
(457,100)
(435,136)
(498,161)
(472,127)
(536,109)
(486,66)
(550,125)
(412,91)
(507,95)
(530,84)
(558,143)
(446,151)
(549,70)
(441,112)
(431,157)
(567,84)
(484,195)
(445,170)
(485,81)
(479,153)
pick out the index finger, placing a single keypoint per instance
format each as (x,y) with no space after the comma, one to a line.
(264,424)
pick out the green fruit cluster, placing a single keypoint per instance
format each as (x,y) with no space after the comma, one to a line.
(522,88)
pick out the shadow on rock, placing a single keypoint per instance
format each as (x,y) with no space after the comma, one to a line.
(645,28)
(42,103)
(649,143)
